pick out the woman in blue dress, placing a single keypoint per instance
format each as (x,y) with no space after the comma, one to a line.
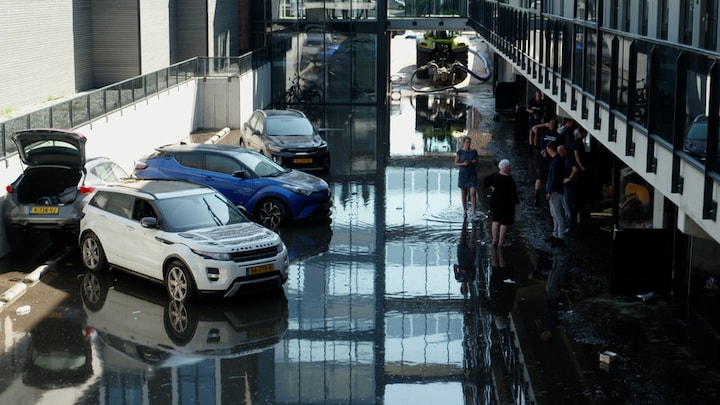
(465,159)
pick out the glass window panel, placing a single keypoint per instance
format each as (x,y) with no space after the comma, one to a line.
(606,62)
(623,72)
(580,9)
(535,53)
(664,13)
(638,107)
(38,119)
(643,18)
(79,110)
(696,99)
(351,68)
(579,50)
(686,21)
(113,98)
(398,8)
(566,44)
(590,65)
(591,10)
(152,83)
(662,92)
(61,116)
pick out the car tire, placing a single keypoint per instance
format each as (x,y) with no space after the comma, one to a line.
(92,253)
(94,291)
(242,143)
(271,213)
(180,321)
(179,282)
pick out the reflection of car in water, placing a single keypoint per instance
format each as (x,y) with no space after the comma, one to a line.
(441,119)
(147,326)
(306,242)
(60,351)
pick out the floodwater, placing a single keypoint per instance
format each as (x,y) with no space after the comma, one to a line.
(373,312)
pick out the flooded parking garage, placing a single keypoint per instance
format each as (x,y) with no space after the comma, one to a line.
(373,312)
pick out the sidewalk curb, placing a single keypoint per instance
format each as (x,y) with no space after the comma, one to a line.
(18,289)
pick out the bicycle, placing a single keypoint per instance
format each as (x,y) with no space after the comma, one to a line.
(311,93)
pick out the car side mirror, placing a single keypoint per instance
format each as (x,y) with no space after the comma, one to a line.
(148,222)
(257,132)
(239,174)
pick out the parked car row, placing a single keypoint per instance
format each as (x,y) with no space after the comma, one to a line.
(266,191)
(201,219)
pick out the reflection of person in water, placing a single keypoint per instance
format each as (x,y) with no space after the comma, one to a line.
(465,269)
(502,289)
(553,301)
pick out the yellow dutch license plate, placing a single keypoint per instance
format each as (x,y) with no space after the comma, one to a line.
(44,210)
(261,332)
(266,268)
(303,160)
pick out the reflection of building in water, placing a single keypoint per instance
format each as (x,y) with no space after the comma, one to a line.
(441,119)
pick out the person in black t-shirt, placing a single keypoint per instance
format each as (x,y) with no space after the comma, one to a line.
(504,201)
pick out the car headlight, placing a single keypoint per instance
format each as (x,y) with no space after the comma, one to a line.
(213,255)
(298,190)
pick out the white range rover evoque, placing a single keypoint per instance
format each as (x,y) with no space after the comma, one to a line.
(187,236)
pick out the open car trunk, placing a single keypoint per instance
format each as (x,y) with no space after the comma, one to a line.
(48,185)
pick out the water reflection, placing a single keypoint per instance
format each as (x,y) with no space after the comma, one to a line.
(154,349)
(502,288)
(58,359)
(466,267)
(60,351)
(304,242)
(440,120)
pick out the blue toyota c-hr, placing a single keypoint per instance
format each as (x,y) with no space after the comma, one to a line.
(267,192)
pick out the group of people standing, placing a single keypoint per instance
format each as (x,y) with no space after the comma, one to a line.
(560,164)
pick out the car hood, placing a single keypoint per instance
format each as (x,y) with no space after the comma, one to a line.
(296,141)
(51,147)
(235,237)
(300,178)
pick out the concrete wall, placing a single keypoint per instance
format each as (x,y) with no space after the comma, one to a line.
(167,117)
(40,47)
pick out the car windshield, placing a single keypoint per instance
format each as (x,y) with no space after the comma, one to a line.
(199,211)
(261,165)
(283,126)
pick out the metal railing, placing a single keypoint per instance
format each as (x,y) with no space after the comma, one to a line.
(95,104)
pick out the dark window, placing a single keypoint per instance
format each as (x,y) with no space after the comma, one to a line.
(192,159)
(221,164)
(143,209)
(119,204)
(662,92)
